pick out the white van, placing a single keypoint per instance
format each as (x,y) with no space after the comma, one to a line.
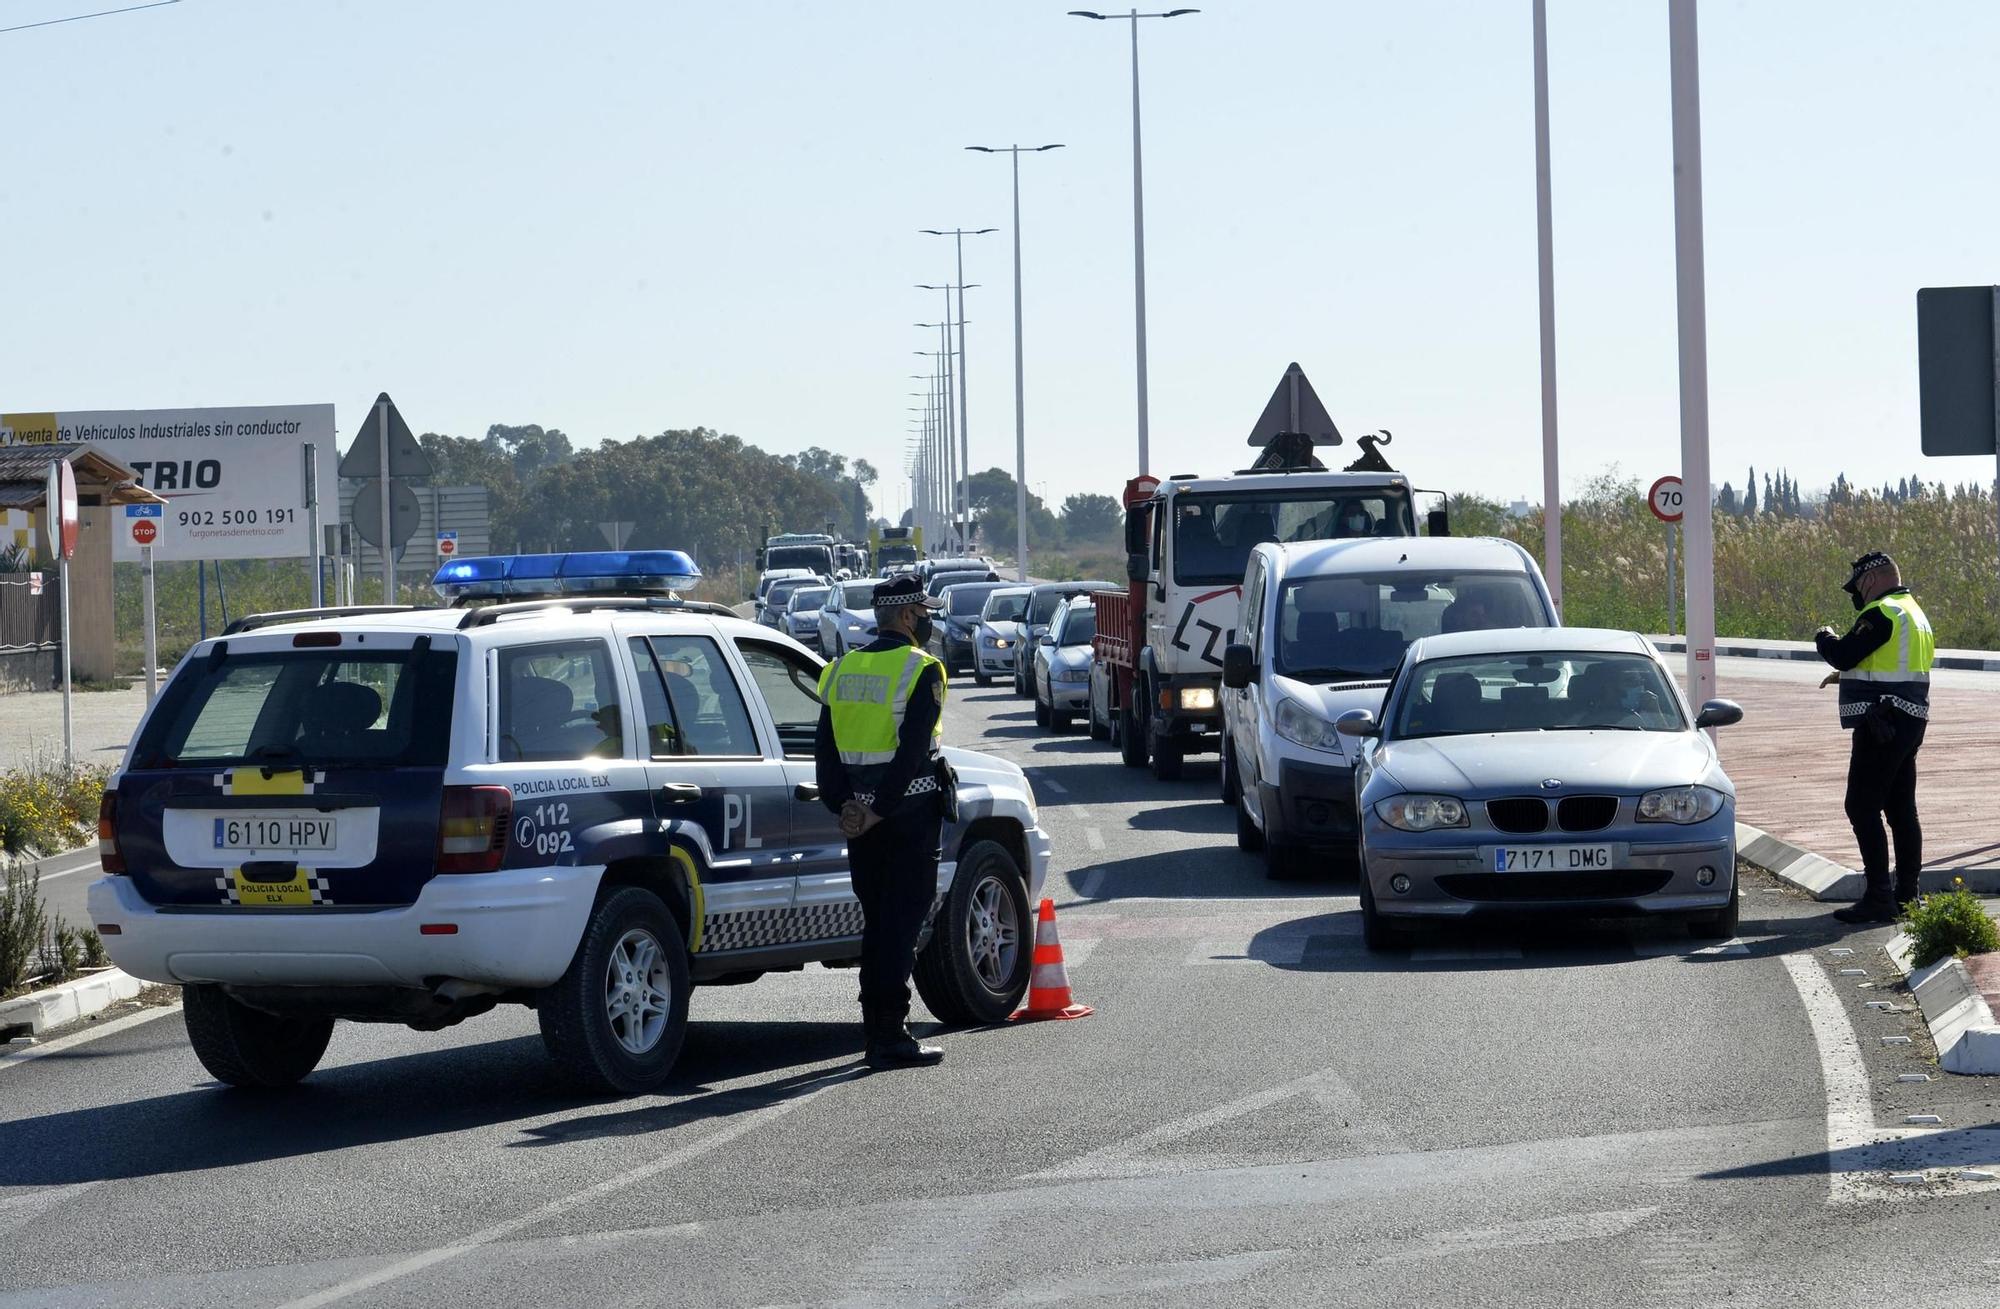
(1324,625)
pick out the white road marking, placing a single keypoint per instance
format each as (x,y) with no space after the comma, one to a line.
(500,1231)
(1143,1280)
(90,865)
(1861,1155)
(1054,785)
(17,1211)
(1092,883)
(1094,838)
(1325,1088)
(1675,950)
(98,1033)
(1553,1230)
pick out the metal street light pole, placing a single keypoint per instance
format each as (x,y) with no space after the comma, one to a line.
(956,454)
(1138,216)
(1690,282)
(1020,412)
(958,235)
(1552,509)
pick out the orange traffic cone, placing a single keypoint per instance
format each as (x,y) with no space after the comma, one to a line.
(1048,984)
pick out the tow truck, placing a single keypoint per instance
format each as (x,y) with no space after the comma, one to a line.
(1156,680)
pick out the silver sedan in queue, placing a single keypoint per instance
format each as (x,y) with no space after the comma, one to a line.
(1531,772)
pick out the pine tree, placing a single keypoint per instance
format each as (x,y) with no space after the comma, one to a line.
(1726,501)
(1770,496)
(1750,494)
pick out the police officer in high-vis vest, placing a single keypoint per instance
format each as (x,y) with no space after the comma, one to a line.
(1883,666)
(880,770)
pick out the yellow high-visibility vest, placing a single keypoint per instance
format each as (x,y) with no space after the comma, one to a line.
(868,696)
(1898,670)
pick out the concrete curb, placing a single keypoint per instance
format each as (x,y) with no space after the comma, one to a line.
(1823,879)
(1977,661)
(57,1006)
(1962,1024)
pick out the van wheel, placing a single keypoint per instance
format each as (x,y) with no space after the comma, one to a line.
(614,1021)
(1232,785)
(974,969)
(1249,837)
(247,1047)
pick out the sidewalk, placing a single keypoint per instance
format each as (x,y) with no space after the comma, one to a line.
(1979,661)
(102,722)
(1788,759)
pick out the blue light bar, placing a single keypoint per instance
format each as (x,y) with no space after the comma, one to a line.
(601,572)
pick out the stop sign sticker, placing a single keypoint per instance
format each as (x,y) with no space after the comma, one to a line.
(142,523)
(143,531)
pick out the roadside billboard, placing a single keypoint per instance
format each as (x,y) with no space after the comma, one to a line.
(234,477)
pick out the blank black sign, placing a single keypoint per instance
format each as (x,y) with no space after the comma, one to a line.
(1955,369)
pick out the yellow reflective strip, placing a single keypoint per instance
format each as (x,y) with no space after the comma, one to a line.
(251,781)
(697,898)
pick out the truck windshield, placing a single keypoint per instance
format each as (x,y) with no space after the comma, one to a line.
(817,558)
(1214,534)
(1359,625)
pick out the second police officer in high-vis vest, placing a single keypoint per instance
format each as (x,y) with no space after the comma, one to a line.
(881,771)
(1883,666)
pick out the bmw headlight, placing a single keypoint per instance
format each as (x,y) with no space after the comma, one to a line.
(1301,726)
(1680,804)
(1421,813)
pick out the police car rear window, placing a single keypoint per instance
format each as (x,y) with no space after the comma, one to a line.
(334,707)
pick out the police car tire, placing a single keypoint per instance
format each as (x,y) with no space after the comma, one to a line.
(575,1027)
(945,976)
(247,1047)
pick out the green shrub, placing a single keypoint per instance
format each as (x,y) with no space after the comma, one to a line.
(93,950)
(23,925)
(1949,923)
(46,808)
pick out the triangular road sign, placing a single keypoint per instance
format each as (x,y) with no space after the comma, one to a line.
(1294,409)
(364,457)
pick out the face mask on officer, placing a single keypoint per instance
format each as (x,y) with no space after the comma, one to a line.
(921,629)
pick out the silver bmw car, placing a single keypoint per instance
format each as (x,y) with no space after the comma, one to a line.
(1533,771)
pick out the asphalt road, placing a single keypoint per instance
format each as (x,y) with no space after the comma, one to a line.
(1260,1112)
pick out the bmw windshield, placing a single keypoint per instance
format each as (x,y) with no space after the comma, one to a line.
(1541,692)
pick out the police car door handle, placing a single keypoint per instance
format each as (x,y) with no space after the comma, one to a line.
(806,791)
(680,792)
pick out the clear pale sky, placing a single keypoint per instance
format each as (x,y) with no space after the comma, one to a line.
(615,218)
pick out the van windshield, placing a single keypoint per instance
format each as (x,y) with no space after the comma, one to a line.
(1214,534)
(287,708)
(1359,625)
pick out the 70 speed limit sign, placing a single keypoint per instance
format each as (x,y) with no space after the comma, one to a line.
(1666,499)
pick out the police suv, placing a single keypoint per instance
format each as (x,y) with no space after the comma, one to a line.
(586,796)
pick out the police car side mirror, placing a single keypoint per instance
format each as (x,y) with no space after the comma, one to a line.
(1239,667)
(1719,713)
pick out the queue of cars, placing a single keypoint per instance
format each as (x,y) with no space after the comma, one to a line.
(1409,711)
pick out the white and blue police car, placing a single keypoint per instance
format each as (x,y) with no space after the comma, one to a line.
(570,790)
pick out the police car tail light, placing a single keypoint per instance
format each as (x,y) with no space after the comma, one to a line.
(109,856)
(472,828)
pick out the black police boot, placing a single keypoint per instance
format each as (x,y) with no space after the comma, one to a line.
(890,1045)
(1868,909)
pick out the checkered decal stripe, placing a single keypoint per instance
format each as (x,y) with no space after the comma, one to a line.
(227,884)
(757,927)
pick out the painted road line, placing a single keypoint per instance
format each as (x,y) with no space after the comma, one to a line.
(500,1231)
(1553,1230)
(1091,884)
(89,865)
(1677,950)
(1862,1158)
(1093,838)
(1054,785)
(98,1033)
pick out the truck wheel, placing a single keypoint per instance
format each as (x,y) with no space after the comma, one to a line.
(614,1021)
(975,967)
(247,1047)
(1167,757)
(1131,734)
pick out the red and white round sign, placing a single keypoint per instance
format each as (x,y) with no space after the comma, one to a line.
(1666,499)
(62,510)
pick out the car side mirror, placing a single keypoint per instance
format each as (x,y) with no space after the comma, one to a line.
(1438,522)
(1357,722)
(1719,713)
(1239,667)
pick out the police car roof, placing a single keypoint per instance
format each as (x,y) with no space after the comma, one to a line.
(1531,640)
(1384,553)
(501,616)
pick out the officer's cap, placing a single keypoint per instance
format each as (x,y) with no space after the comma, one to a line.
(904,590)
(1867,563)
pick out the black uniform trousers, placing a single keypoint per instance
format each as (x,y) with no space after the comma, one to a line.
(894,870)
(1882,782)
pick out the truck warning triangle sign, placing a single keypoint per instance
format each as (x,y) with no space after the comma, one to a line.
(1294,410)
(364,457)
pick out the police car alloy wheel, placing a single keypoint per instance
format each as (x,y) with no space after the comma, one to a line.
(615,1020)
(975,967)
(248,1047)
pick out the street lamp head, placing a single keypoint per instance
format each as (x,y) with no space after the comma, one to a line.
(1057,146)
(983,149)
(1085,13)
(982,231)
(1176,13)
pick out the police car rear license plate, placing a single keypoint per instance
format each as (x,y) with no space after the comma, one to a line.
(274,832)
(1550,858)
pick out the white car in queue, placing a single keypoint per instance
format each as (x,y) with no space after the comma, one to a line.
(587,798)
(1000,633)
(1324,625)
(847,620)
